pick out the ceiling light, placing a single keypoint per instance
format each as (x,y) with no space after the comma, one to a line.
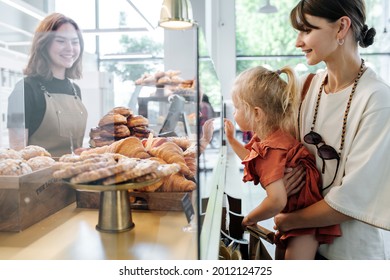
(176,14)
(268,8)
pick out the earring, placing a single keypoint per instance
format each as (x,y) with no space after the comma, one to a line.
(340,41)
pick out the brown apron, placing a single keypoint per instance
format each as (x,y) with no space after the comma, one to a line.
(63,125)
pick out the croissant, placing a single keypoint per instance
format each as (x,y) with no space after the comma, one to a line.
(172,153)
(177,183)
(182,142)
(97,150)
(190,157)
(130,147)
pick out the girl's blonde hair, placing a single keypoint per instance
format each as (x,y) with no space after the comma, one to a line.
(278,99)
(39,62)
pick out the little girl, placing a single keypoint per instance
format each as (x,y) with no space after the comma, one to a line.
(266,104)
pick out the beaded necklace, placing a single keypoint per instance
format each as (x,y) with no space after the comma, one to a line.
(344,128)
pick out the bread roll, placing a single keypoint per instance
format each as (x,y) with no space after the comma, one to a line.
(137,120)
(6,153)
(33,151)
(112,118)
(124,111)
(14,167)
(40,162)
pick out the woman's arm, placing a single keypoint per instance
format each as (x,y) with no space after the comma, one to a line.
(236,145)
(319,214)
(273,203)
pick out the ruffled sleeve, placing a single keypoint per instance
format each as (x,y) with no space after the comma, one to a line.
(266,161)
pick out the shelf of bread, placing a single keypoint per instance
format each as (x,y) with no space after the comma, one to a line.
(171,81)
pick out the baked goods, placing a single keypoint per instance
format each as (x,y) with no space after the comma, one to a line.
(182,142)
(140,168)
(137,120)
(14,167)
(97,150)
(100,141)
(33,151)
(172,153)
(7,153)
(190,158)
(111,119)
(117,124)
(111,168)
(114,131)
(40,162)
(97,174)
(164,81)
(130,147)
(177,183)
(84,164)
(124,111)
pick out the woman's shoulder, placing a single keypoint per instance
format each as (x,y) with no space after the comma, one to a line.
(372,79)
(373,87)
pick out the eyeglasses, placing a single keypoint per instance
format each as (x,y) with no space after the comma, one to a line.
(325,152)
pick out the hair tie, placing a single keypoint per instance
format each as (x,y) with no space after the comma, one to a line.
(278,72)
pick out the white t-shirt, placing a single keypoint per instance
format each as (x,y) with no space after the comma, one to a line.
(362,186)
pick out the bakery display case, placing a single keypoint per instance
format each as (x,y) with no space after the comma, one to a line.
(144,183)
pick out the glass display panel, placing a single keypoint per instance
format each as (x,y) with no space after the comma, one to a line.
(210,108)
(12,124)
(121,216)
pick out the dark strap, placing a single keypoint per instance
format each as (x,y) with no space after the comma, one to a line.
(305,88)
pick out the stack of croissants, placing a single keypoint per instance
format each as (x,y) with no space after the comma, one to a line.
(177,151)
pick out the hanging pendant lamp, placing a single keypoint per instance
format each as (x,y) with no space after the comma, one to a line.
(268,8)
(176,14)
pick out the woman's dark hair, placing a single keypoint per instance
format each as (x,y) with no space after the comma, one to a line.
(39,62)
(332,10)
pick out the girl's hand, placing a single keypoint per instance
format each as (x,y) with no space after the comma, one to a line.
(208,130)
(230,130)
(247,222)
(294,179)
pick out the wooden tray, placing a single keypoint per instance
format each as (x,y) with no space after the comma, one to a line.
(26,200)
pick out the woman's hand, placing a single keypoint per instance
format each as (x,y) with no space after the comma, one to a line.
(281,222)
(294,179)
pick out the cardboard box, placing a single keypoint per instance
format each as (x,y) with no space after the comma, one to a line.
(164,201)
(26,200)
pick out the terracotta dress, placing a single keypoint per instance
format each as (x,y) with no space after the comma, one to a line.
(267,162)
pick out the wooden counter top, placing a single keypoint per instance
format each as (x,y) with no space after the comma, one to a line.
(70,234)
